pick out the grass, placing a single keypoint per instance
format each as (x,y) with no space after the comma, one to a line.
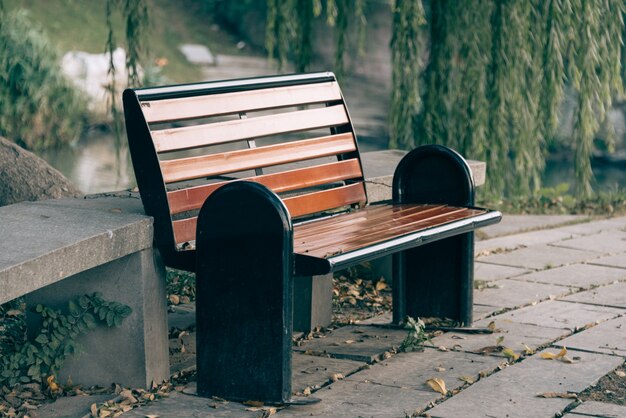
(80,25)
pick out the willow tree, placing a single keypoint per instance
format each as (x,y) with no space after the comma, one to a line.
(495,76)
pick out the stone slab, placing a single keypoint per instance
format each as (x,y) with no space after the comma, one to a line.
(612,295)
(72,406)
(608,338)
(608,242)
(182,316)
(515,335)
(491,272)
(596,226)
(44,242)
(514,224)
(578,275)
(513,391)
(315,371)
(347,398)
(617,260)
(509,293)
(359,343)
(181,405)
(540,257)
(197,54)
(598,409)
(482,311)
(526,239)
(412,370)
(557,314)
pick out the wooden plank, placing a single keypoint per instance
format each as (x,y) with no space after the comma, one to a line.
(356,241)
(185,230)
(315,202)
(175,139)
(363,217)
(157,111)
(240,160)
(192,198)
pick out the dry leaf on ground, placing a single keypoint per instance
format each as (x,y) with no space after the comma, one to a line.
(552,356)
(563,395)
(437,384)
(466,379)
(510,354)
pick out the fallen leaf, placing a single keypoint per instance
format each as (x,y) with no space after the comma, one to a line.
(551,356)
(492,325)
(440,369)
(442,348)
(510,354)
(174,299)
(253,403)
(94,410)
(336,376)
(381,285)
(349,341)
(52,384)
(567,360)
(527,350)
(563,395)
(499,340)
(306,391)
(437,384)
(466,379)
(620,373)
(490,349)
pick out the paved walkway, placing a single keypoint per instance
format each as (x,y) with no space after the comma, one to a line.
(546,283)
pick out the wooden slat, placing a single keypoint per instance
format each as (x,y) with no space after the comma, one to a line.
(192,198)
(363,217)
(310,203)
(323,247)
(230,162)
(185,229)
(235,130)
(157,111)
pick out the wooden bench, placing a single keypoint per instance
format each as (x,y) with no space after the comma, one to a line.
(301,212)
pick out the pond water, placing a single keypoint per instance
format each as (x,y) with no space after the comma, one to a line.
(95,167)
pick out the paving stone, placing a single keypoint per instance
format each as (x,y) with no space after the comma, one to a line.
(490,272)
(513,391)
(512,224)
(181,405)
(359,343)
(608,337)
(483,311)
(612,295)
(617,260)
(598,409)
(71,406)
(527,239)
(515,334)
(383,319)
(412,370)
(557,314)
(580,275)
(347,398)
(182,316)
(316,371)
(508,293)
(539,257)
(613,241)
(596,226)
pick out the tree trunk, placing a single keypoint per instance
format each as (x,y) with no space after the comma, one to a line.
(24,176)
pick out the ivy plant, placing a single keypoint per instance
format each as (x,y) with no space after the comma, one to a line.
(41,357)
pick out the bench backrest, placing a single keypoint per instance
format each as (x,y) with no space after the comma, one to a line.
(188,140)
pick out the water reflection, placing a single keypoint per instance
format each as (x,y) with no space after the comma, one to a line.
(93,165)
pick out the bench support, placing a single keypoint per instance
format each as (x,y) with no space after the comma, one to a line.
(244,300)
(314,307)
(134,354)
(434,280)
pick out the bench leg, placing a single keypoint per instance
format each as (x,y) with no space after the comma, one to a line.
(315,302)
(434,280)
(244,300)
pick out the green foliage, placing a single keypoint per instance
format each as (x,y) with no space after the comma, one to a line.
(559,200)
(36,360)
(180,283)
(408,16)
(290,24)
(495,78)
(416,337)
(39,107)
